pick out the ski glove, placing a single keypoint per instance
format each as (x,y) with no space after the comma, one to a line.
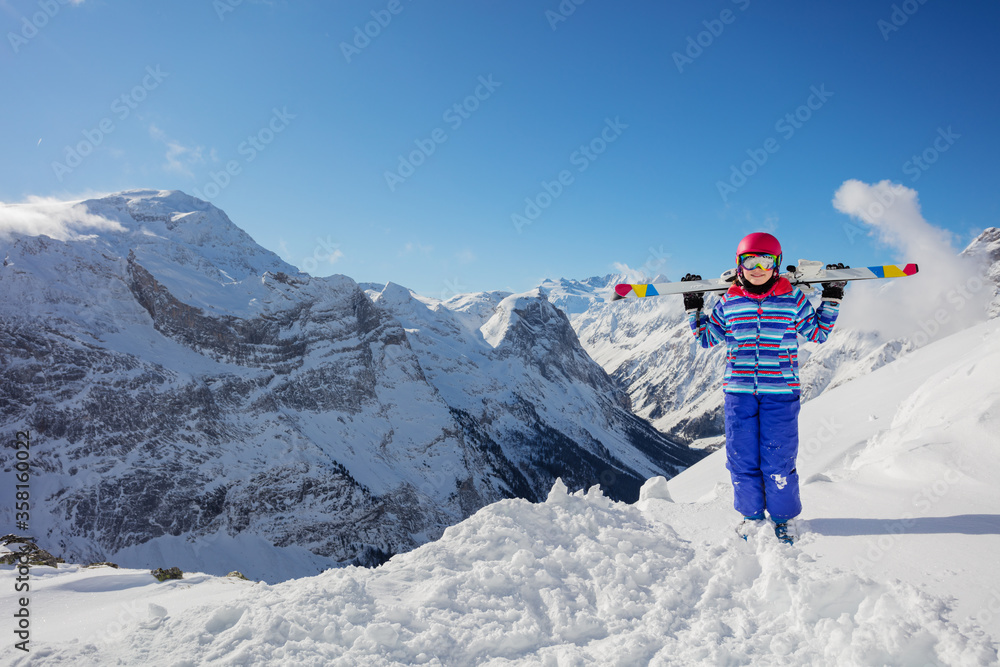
(693,300)
(834,290)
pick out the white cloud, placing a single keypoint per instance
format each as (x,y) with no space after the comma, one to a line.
(892,213)
(631,275)
(58,219)
(940,299)
(179,157)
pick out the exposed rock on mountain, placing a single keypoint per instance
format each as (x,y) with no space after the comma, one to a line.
(193,399)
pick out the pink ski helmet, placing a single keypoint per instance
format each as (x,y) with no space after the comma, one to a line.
(759,242)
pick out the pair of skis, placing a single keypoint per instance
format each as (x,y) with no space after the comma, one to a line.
(805,274)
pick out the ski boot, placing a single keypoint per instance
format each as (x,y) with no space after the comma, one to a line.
(748,524)
(782,533)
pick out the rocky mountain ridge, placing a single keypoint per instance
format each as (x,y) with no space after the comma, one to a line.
(192,394)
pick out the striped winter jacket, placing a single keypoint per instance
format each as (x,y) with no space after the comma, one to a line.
(760,332)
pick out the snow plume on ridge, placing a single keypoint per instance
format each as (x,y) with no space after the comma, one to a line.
(630,274)
(650,272)
(55,218)
(946,296)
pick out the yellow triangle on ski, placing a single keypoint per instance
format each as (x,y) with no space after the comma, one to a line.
(893,271)
(640,290)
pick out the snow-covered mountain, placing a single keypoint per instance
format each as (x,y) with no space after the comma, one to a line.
(646,346)
(895,565)
(194,399)
(985,251)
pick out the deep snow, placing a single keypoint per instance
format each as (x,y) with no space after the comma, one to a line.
(896,563)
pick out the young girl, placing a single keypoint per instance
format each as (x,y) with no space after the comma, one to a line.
(759,319)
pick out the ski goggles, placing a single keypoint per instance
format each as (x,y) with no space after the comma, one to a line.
(753,261)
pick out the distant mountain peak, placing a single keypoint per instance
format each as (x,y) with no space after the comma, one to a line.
(394,295)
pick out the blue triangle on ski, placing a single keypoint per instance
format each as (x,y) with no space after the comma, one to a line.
(877,270)
(651,291)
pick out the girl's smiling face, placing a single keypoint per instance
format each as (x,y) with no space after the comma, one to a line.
(757,275)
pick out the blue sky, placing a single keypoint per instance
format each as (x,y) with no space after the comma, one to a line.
(617,120)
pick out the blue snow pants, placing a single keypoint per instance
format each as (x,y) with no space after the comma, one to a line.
(762,442)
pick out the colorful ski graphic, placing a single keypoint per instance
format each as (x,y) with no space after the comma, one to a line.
(805,273)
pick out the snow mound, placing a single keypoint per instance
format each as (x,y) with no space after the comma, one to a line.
(578,579)
(655,488)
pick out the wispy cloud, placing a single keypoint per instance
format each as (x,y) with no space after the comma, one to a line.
(631,275)
(180,158)
(58,219)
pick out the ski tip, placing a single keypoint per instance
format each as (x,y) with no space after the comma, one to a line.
(893,271)
(622,290)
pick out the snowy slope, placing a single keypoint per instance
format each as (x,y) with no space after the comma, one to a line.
(899,473)
(895,566)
